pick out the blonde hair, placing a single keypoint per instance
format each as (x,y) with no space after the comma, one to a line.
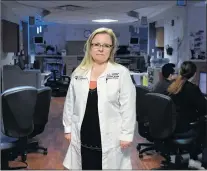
(177,85)
(187,70)
(87,60)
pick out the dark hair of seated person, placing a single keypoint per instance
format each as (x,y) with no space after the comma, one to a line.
(188,98)
(168,69)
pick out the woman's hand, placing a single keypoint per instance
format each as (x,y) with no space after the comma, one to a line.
(68,136)
(125,144)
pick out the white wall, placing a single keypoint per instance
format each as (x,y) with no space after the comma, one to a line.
(186,19)
(173,33)
(196,21)
(55,35)
(159,23)
(7,14)
(171,36)
(76,32)
(58,34)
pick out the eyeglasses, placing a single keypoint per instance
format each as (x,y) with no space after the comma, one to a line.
(98,45)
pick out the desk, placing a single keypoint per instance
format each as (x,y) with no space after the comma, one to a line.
(138,77)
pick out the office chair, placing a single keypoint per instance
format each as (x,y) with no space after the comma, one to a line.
(162,123)
(18,106)
(58,83)
(204,153)
(142,119)
(40,119)
(7,144)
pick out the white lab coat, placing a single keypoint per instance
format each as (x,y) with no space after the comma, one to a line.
(117,115)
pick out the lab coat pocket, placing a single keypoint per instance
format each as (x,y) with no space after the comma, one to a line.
(78,87)
(75,118)
(75,137)
(112,90)
(114,132)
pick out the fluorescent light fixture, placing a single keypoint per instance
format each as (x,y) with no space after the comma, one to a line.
(105,21)
(38,30)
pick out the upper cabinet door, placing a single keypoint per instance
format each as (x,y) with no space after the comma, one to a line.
(10,36)
(159,37)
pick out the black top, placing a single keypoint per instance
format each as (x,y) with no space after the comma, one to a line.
(190,104)
(161,87)
(90,129)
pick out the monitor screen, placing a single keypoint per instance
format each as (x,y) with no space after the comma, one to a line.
(202,82)
(38,40)
(181,2)
(134,40)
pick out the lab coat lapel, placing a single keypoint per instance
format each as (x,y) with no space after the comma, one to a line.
(88,75)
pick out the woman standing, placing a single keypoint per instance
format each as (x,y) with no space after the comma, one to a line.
(100,112)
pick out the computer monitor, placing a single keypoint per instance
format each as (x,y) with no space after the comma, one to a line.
(202,82)
(181,2)
(134,40)
(38,40)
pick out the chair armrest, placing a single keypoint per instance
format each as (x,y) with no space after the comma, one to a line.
(64,77)
(194,123)
(199,121)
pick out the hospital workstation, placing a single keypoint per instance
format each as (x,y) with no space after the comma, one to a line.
(36,68)
(144,82)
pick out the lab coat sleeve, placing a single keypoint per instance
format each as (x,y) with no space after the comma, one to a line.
(68,108)
(127,101)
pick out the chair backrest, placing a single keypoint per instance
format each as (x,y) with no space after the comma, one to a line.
(206,124)
(56,75)
(161,115)
(42,108)
(18,106)
(141,103)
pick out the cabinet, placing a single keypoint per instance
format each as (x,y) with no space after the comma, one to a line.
(159,37)
(10,36)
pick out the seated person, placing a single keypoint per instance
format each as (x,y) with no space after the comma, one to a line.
(188,98)
(168,76)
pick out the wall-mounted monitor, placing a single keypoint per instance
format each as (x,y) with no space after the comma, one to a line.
(181,2)
(38,40)
(134,41)
(202,82)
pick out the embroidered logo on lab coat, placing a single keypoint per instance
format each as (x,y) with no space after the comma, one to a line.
(80,78)
(112,76)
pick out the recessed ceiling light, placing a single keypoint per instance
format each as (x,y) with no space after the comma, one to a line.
(105,21)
